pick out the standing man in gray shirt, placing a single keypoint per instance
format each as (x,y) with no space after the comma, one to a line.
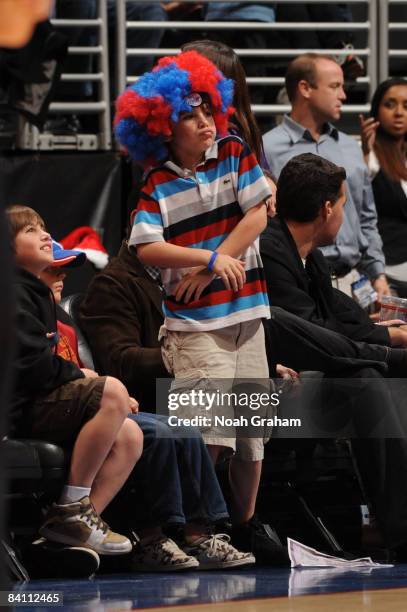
(315,87)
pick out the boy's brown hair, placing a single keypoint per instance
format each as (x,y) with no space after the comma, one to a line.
(19,216)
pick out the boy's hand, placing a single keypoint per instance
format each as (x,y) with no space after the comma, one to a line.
(231,271)
(89,373)
(192,284)
(271,206)
(133,405)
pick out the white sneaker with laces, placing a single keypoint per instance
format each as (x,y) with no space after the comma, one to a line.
(216,552)
(162,555)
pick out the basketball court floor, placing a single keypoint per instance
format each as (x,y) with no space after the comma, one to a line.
(255,590)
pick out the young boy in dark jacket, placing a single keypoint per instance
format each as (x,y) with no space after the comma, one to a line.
(56,400)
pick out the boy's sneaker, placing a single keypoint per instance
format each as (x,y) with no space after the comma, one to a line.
(46,559)
(215,552)
(262,541)
(78,524)
(162,555)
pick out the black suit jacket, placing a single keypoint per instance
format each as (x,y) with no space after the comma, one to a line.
(307,292)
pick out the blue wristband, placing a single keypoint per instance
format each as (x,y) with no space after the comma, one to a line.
(212,260)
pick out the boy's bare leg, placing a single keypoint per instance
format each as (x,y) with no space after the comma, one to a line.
(97,436)
(244,478)
(107,446)
(125,453)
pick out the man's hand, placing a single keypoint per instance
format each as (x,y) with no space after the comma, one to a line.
(133,405)
(368,129)
(284,372)
(392,322)
(89,373)
(381,286)
(398,336)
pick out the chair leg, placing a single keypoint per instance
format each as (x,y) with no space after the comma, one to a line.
(318,524)
(16,568)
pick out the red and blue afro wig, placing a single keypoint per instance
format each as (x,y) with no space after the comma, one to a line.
(145,110)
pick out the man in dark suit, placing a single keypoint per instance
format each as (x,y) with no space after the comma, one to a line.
(314,326)
(310,201)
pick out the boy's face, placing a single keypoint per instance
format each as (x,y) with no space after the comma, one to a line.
(54,277)
(194,133)
(33,248)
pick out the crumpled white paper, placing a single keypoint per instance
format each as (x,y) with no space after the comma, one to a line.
(305,556)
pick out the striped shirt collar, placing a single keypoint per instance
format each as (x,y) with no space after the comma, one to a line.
(211,153)
(297,132)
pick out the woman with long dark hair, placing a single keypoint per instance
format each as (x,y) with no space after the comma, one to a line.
(384,148)
(244,123)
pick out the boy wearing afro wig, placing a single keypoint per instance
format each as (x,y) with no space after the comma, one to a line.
(199,215)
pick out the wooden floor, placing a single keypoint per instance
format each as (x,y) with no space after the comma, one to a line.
(389,600)
(255,590)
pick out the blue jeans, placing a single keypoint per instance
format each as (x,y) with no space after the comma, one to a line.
(174,481)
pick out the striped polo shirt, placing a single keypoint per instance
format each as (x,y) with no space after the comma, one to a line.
(199,210)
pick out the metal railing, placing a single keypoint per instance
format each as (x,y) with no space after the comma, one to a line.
(377,51)
(31,138)
(385,30)
(368,53)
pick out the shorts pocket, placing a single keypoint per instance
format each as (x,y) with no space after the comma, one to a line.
(188,393)
(167,359)
(171,343)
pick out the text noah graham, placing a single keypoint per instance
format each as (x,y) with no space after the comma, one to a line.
(240,421)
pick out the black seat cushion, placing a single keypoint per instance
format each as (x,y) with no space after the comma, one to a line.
(21,460)
(71,305)
(53,459)
(34,459)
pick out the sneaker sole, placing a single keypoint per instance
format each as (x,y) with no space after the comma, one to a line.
(61,561)
(227,564)
(56,537)
(142,567)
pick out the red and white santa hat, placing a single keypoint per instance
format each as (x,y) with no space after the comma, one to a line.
(86,239)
